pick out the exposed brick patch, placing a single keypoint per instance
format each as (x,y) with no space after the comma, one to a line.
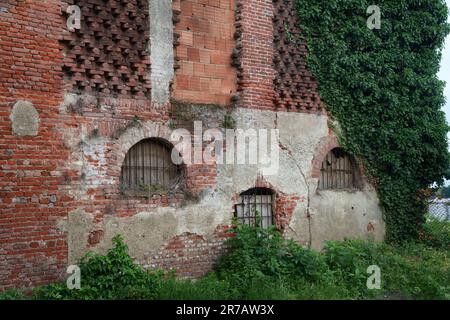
(189,254)
(95,237)
(261,182)
(285,207)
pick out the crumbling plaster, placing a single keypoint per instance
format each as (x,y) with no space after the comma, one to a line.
(318,216)
(161,49)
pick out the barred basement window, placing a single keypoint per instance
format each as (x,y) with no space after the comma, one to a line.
(253,203)
(148,167)
(338,171)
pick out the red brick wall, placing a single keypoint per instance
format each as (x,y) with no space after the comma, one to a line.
(39,184)
(205,30)
(108,55)
(272,72)
(255,34)
(32,248)
(191,255)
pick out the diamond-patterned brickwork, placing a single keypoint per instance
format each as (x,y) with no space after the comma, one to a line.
(295,87)
(109,54)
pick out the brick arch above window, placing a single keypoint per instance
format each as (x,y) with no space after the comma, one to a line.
(132,136)
(326,144)
(126,141)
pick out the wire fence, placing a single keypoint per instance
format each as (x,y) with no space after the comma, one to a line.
(439,210)
(437,227)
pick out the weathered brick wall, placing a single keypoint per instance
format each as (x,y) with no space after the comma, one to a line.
(271,59)
(33,249)
(86,102)
(60,188)
(191,255)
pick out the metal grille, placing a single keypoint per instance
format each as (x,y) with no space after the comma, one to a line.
(338,171)
(256,202)
(148,165)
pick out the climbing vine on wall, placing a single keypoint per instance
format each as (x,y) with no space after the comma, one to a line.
(381,86)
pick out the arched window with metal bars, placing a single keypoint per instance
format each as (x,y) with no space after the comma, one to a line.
(254,204)
(338,171)
(148,166)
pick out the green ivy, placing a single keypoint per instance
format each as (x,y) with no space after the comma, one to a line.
(381,86)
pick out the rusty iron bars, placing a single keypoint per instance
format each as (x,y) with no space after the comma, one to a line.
(148,165)
(254,204)
(338,171)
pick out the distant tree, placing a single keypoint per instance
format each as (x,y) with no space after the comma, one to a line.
(445,192)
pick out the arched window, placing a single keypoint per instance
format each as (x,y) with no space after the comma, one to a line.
(338,171)
(148,167)
(253,203)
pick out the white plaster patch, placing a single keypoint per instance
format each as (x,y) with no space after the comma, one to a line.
(25,119)
(161,49)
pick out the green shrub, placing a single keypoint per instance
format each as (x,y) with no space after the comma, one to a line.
(257,255)
(411,270)
(110,276)
(12,295)
(349,261)
(261,265)
(436,233)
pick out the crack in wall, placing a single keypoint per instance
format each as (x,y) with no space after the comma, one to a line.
(308,198)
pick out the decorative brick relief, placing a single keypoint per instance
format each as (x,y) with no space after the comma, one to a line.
(295,87)
(109,54)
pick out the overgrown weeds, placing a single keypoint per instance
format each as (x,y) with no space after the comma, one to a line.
(262,265)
